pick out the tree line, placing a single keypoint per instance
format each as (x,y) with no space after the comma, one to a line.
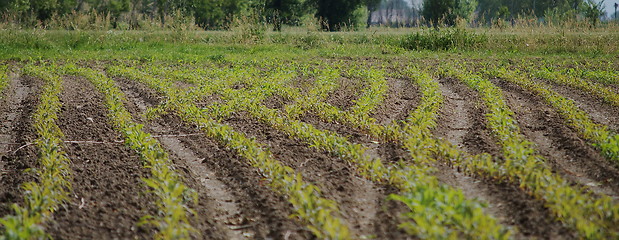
(332,14)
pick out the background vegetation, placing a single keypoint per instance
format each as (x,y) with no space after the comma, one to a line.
(331,15)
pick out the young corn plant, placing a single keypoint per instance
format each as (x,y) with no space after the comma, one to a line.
(598,75)
(437,211)
(317,212)
(173,196)
(4,78)
(596,89)
(43,197)
(605,140)
(594,218)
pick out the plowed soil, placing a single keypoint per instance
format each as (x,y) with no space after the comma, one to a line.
(108,197)
(18,153)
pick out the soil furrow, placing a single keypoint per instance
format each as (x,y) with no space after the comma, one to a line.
(564,150)
(387,213)
(234,198)
(19,101)
(357,198)
(213,193)
(108,197)
(347,91)
(462,123)
(401,97)
(600,111)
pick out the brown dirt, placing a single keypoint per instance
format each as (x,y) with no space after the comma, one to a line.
(462,123)
(235,201)
(600,111)
(108,197)
(388,213)
(276,101)
(17,106)
(564,150)
(357,198)
(231,192)
(347,91)
(401,97)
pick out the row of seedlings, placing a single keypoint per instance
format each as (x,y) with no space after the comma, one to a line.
(4,78)
(318,213)
(591,216)
(173,196)
(415,134)
(599,75)
(604,139)
(437,211)
(43,197)
(590,87)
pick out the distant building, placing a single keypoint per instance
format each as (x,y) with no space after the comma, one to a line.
(395,14)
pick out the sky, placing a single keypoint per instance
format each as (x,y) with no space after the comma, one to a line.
(610,7)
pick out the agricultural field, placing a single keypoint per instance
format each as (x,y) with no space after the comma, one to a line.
(301,141)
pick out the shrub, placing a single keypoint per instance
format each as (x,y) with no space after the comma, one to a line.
(443,39)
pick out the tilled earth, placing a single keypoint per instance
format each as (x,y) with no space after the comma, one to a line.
(235,202)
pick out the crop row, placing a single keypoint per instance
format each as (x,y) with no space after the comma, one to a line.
(318,212)
(593,217)
(607,141)
(602,76)
(43,197)
(590,87)
(173,196)
(436,210)
(4,78)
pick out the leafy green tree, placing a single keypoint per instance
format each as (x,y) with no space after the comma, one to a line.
(208,13)
(593,11)
(465,8)
(435,10)
(279,12)
(334,14)
(447,10)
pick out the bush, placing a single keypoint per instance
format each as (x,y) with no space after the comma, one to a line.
(443,39)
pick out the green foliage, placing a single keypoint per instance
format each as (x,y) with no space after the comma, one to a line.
(45,196)
(493,9)
(309,205)
(447,11)
(599,90)
(335,15)
(174,197)
(444,39)
(280,12)
(594,218)
(414,181)
(573,115)
(593,11)
(4,79)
